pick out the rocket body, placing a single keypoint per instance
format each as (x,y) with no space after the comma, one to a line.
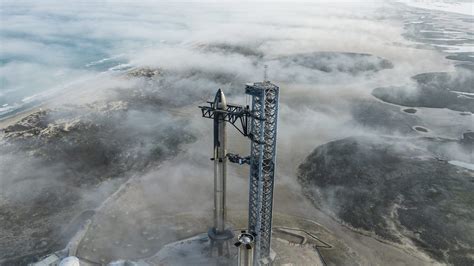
(220,161)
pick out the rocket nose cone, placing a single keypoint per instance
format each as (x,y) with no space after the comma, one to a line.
(219,100)
(220,95)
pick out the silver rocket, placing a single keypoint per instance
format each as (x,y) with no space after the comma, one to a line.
(220,161)
(219,234)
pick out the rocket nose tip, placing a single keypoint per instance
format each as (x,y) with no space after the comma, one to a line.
(220,94)
(220,98)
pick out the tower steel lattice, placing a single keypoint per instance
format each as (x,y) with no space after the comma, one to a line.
(263,133)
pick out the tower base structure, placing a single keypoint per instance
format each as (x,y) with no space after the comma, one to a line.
(269,259)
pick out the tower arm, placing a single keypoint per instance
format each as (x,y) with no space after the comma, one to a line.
(237,115)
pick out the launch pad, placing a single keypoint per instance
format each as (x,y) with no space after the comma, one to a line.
(296,241)
(294,246)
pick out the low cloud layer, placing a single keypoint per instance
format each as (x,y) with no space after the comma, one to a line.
(327,57)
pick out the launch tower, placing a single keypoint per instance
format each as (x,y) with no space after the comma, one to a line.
(263,133)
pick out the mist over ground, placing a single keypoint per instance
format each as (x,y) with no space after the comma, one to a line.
(110,131)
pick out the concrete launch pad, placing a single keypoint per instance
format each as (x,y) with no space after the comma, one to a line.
(293,246)
(298,241)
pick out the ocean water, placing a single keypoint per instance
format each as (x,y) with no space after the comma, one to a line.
(49,46)
(465,7)
(40,56)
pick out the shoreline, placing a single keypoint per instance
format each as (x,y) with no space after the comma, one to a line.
(16,117)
